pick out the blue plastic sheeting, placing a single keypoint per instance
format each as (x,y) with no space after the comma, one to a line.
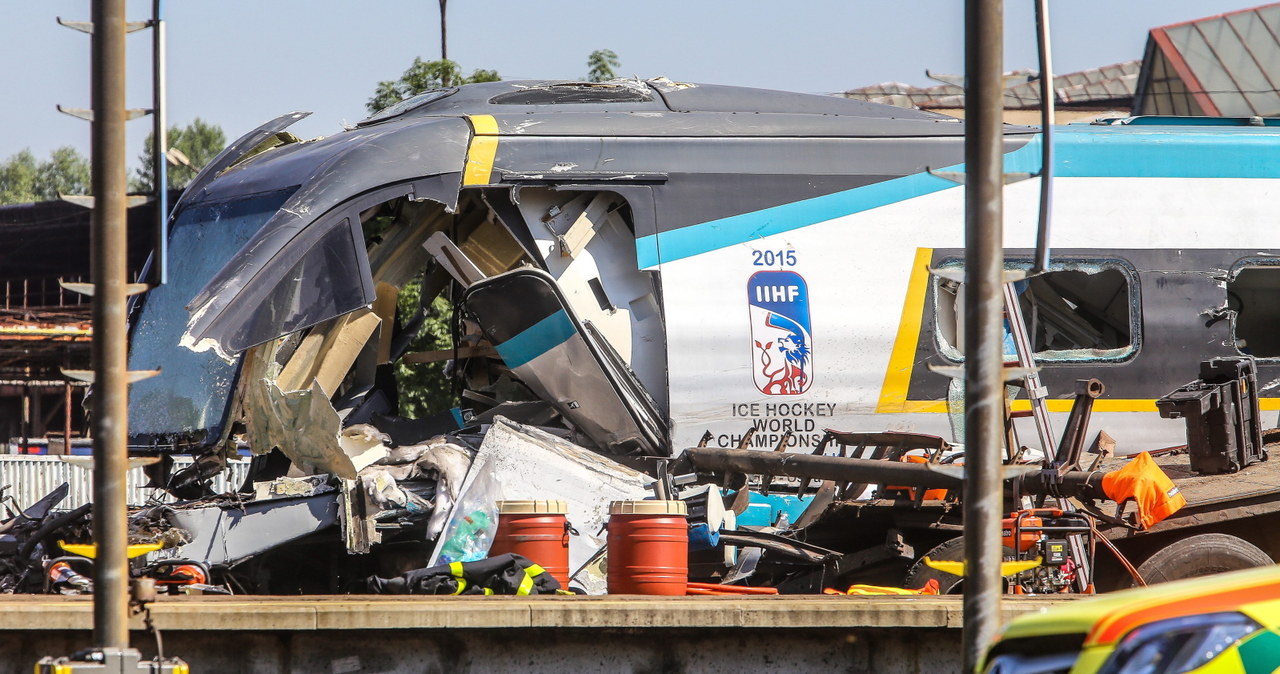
(763,511)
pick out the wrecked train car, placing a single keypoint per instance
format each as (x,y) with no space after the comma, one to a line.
(645,262)
(641,264)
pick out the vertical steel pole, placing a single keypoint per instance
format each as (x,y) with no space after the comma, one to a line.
(444,43)
(111,592)
(1047,96)
(984,304)
(444,33)
(160,145)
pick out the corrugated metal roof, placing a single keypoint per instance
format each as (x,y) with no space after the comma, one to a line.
(901,95)
(1106,86)
(1119,88)
(1227,65)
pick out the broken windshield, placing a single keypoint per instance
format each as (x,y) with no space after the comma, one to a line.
(188,399)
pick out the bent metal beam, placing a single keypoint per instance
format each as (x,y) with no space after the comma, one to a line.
(1079,483)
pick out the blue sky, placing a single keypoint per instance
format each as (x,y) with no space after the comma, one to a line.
(237,63)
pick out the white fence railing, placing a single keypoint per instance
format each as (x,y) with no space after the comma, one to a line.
(30,477)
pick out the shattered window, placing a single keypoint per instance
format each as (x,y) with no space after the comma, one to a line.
(1080,311)
(1251,296)
(190,393)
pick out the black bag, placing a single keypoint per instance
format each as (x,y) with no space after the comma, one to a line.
(505,574)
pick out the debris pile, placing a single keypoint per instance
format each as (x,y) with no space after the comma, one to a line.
(421,519)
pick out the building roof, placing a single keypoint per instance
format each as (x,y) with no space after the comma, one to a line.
(1226,65)
(42,326)
(1109,87)
(50,239)
(901,95)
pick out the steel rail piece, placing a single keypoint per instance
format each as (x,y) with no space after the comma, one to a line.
(1071,446)
(716,461)
(1037,393)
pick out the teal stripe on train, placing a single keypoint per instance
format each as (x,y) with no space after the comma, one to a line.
(537,339)
(1110,152)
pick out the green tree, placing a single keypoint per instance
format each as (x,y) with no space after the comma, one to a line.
(66,172)
(600,65)
(18,178)
(196,145)
(423,388)
(24,179)
(424,76)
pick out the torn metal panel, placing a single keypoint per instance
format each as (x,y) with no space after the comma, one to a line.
(323,276)
(521,462)
(292,411)
(305,428)
(540,338)
(302,423)
(221,535)
(601,279)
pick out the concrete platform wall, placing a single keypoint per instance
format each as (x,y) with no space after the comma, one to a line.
(623,634)
(541,651)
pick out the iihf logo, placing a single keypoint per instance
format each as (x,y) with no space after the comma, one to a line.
(782,361)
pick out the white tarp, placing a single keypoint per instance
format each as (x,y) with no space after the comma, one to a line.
(521,462)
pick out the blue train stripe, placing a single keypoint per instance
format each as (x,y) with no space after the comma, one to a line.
(1152,153)
(708,236)
(536,340)
(1078,152)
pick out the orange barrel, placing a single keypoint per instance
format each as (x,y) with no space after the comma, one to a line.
(538,530)
(648,547)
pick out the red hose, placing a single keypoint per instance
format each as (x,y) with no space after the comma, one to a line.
(713,588)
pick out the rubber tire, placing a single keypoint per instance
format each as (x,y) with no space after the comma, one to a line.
(951,551)
(1201,555)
